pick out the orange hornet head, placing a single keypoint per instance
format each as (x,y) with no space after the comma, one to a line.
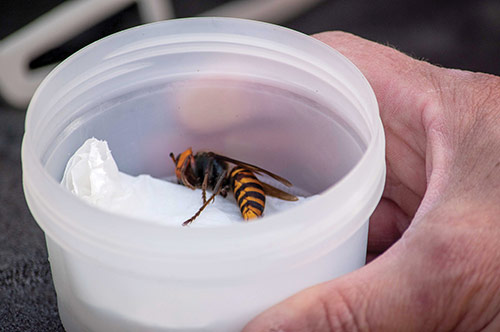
(182,162)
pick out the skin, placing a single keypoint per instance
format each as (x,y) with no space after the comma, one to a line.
(435,236)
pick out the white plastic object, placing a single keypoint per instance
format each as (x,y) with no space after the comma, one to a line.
(250,90)
(18,82)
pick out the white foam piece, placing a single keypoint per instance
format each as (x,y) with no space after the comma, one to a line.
(92,175)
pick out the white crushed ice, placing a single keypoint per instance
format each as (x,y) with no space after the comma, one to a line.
(92,175)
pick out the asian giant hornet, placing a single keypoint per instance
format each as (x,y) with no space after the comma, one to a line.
(208,170)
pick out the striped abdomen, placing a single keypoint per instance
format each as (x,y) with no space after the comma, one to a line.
(248,192)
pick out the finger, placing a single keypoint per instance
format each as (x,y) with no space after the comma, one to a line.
(401,83)
(406,177)
(377,297)
(403,89)
(385,67)
(387,224)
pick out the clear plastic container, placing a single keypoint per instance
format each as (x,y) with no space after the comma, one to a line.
(250,90)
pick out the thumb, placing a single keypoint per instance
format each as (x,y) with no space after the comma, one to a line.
(381,296)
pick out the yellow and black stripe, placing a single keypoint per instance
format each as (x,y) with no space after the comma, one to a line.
(248,192)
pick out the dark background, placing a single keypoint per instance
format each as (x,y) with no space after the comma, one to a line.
(459,34)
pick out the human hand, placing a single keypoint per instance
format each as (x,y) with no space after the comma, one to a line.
(438,223)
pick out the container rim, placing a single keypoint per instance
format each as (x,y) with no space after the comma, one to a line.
(43,193)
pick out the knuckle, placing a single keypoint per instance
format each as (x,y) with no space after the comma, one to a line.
(344,313)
